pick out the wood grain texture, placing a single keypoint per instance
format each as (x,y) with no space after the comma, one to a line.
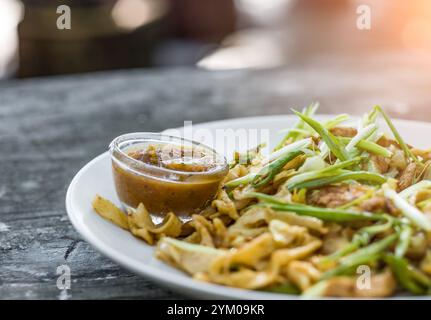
(51,127)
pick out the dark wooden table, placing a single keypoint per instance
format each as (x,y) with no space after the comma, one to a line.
(49,128)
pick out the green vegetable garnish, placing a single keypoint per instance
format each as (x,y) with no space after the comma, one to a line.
(361,256)
(299,126)
(397,136)
(409,278)
(331,141)
(339,176)
(269,172)
(361,238)
(326,214)
(369,146)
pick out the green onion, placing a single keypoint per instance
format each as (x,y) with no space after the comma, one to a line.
(300,125)
(313,163)
(242,181)
(317,290)
(369,146)
(286,288)
(268,173)
(265,197)
(296,146)
(420,277)
(328,171)
(360,136)
(379,228)
(362,237)
(362,256)
(374,148)
(404,240)
(376,247)
(397,136)
(324,150)
(367,119)
(341,176)
(331,141)
(403,273)
(348,248)
(411,212)
(326,214)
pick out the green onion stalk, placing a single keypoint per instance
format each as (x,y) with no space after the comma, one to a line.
(363,134)
(361,238)
(396,134)
(298,127)
(282,153)
(317,174)
(408,276)
(362,256)
(267,174)
(340,176)
(325,214)
(369,146)
(409,211)
(336,147)
(365,255)
(405,235)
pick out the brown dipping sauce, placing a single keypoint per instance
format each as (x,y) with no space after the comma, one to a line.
(168,177)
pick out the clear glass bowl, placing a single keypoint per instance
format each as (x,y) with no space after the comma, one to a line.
(161,189)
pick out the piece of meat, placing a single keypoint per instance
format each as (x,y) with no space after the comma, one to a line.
(392,209)
(334,196)
(374,204)
(381,163)
(379,204)
(418,246)
(386,142)
(347,132)
(407,176)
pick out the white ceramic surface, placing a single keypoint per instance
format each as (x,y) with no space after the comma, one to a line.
(132,253)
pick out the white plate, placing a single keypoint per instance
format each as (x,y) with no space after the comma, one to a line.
(133,254)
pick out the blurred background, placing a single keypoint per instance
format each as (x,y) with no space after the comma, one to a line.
(210,34)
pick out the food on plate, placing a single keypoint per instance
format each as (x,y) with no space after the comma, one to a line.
(335,210)
(110,212)
(165,175)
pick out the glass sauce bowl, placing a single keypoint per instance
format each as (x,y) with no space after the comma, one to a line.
(160,188)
